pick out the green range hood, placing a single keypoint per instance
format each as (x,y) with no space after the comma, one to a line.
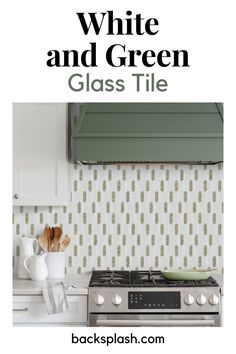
(149,132)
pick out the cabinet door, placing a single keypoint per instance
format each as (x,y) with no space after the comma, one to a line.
(31,310)
(40,163)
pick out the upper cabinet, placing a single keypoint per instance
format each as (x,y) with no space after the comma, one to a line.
(40,159)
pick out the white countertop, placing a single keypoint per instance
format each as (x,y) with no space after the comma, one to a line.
(76,284)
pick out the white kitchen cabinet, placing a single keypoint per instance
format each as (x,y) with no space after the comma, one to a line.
(31,311)
(40,162)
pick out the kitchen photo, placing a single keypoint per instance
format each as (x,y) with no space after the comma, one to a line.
(118,214)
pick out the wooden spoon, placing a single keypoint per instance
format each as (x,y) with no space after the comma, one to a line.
(43,240)
(65,242)
(56,239)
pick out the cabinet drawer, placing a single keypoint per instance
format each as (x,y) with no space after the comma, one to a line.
(32,309)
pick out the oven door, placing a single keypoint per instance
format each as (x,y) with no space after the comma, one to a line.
(154,320)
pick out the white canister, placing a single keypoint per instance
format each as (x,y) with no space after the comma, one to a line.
(56,262)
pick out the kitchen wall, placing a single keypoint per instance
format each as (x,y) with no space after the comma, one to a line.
(136,216)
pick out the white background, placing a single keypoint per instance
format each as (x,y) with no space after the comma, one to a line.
(206,29)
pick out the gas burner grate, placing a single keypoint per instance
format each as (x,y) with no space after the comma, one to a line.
(104,278)
(156,279)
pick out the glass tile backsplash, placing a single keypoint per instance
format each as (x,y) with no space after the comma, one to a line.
(136,217)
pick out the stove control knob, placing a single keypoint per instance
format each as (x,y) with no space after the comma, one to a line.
(99,300)
(201,300)
(213,299)
(189,299)
(117,300)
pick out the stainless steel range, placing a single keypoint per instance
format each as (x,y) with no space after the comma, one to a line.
(145,298)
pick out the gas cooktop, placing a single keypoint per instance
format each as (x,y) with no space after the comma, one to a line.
(142,279)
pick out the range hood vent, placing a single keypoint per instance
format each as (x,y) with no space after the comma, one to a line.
(149,133)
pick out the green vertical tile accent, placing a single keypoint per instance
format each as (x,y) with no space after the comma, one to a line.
(185,218)
(133,186)
(205,251)
(219,229)
(210,175)
(118,251)
(108,209)
(75,186)
(118,187)
(90,252)
(156,197)
(162,186)
(69,261)
(90,229)
(127,261)
(162,253)
(147,229)
(185,196)
(98,218)
(32,229)
(156,218)
(171,262)
(124,175)
(153,175)
(199,196)
(196,175)
(80,240)
(176,251)
(142,262)
(147,251)
(104,229)
(18,229)
(138,240)
(124,240)
(17,251)
(153,240)
(162,229)
(133,229)
(133,251)
(109,240)
(214,196)
(127,217)
(182,240)
(98,261)
(196,240)
(176,186)
(98,197)
(190,251)
(41,218)
(171,218)
(104,186)
(95,240)
(167,240)
(165,207)
(190,229)
(75,251)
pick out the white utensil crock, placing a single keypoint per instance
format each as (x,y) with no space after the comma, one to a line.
(56,262)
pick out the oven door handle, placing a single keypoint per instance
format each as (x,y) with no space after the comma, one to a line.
(154,323)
